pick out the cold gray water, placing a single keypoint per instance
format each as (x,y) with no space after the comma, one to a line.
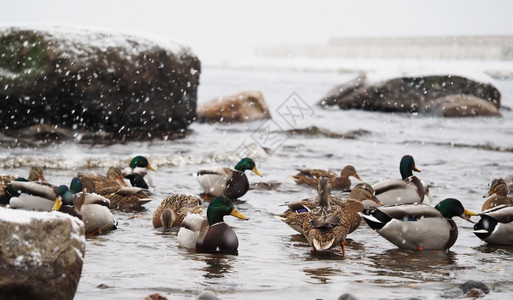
(458,157)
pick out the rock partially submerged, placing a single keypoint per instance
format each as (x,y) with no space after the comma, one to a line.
(442,95)
(41,255)
(242,107)
(120,85)
(314,131)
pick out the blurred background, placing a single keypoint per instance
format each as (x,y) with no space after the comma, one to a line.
(235,33)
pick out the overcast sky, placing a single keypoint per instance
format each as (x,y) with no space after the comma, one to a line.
(228,29)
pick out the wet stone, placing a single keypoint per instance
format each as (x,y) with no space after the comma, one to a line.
(42,252)
(110,85)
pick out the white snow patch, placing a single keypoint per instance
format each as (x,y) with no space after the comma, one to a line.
(21,216)
(99,38)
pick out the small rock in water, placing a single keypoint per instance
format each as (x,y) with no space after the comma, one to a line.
(207,295)
(243,107)
(155,296)
(346,296)
(473,285)
(103,286)
(475,293)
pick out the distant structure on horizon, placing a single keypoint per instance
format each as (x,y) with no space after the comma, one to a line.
(454,47)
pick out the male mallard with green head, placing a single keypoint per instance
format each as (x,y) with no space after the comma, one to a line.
(328,225)
(173,209)
(93,208)
(31,195)
(496,225)
(211,235)
(408,189)
(136,171)
(311,177)
(418,226)
(231,183)
(498,194)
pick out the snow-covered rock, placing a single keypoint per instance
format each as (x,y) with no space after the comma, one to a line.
(114,84)
(242,107)
(41,254)
(442,95)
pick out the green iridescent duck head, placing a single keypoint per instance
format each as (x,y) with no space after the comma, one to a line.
(220,207)
(407,166)
(247,164)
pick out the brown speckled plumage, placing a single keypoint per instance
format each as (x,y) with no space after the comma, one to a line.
(327,226)
(499,195)
(311,177)
(113,179)
(297,211)
(125,198)
(181,205)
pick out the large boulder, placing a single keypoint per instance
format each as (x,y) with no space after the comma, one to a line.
(41,254)
(444,95)
(242,107)
(112,84)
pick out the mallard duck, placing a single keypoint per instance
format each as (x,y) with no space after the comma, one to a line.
(295,215)
(6,191)
(498,194)
(123,198)
(65,202)
(93,208)
(407,190)
(311,177)
(212,234)
(173,209)
(114,178)
(231,183)
(137,180)
(32,195)
(327,226)
(496,225)
(418,226)
(138,165)
(126,198)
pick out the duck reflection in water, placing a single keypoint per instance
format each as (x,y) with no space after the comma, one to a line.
(217,266)
(321,275)
(413,262)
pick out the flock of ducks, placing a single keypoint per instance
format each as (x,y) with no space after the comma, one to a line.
(398,209)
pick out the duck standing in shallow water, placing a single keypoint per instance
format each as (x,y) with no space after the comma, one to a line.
(496,225)
(297,211)
(231,183)
(409,189)
(498,194)
(418,226)
(173,209)
(311,177)
(328,225)
(211,235)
